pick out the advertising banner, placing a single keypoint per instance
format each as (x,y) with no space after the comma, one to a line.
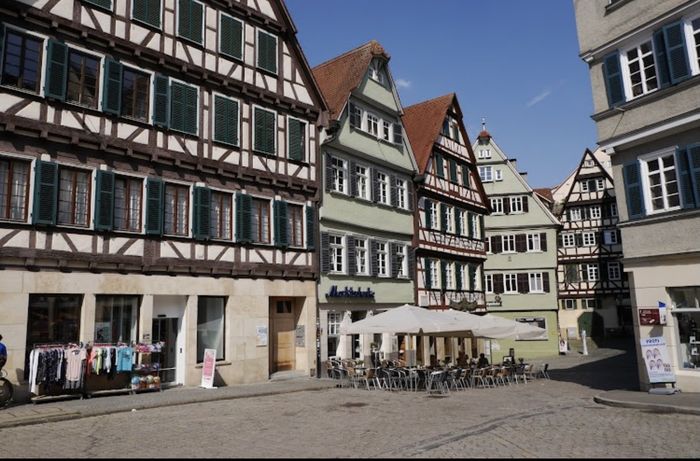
(657,361)
(208,368)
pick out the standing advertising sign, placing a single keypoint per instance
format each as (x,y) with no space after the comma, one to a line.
(208,368)
(656,360)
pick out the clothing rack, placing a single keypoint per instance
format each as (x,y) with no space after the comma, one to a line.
(66,393)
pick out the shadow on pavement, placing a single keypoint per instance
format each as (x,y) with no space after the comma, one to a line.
(608,373)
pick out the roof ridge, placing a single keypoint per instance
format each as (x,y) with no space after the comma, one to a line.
(347,53)
(450,95)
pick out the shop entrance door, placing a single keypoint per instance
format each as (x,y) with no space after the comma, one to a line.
(165,330)
(283,327)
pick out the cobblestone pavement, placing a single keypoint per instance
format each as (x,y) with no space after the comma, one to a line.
(539,419)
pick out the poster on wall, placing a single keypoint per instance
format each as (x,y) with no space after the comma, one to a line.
(261,334)
(299,336)
(656,360)
(208,368)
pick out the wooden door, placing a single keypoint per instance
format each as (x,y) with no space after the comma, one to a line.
(283,327)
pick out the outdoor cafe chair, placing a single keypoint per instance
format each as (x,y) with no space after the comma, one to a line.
(543,370)
(519,372)
(437,382)
(477,377)
(532,371)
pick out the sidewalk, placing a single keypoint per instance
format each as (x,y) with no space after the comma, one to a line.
(687,403)
(24,414)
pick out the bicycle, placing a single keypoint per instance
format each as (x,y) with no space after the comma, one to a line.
(6,389)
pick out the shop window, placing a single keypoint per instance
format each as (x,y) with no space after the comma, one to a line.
(334,319)
(535,322)
(210,326)
(686,308)
(116,319)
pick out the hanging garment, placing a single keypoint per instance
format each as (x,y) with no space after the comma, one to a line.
(74,367)
(124,360)
(33,368)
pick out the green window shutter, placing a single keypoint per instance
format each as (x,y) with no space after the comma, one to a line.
(45,193)
(106,4)
(226,120)
(244,216)
(2,37)
(104,200)
(267,52)
(633,190)
(264,131)
(674,38)
(458,277)
(439,167)
(191,109)
(453,171)
(231,37)
(443,274)
(458,221)
(56,70)
(190,19)
(465,175)
(154,206)
(281,223)
(661,59)
(310,234)
(428,273)
(613,79)
(161,101)
(183,107)
(470,225)
(147,11)
(481,227)
(112,91)
(693,156)
(428,214)
(685,179)
(201,213)
(443,217)
(472,277)
(296,139)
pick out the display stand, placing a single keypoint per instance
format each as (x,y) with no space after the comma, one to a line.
(143,370)
(131,382)
(49,392)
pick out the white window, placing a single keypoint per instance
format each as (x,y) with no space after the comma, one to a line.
(614,271)
(372,124)
(516,204)
(334,320)
(533,242)
(569,304)
(640,70)
(486,173)
(402,261)
(434,216)
(362,267)
(383,181)
(613,209)
(695,26)
(435,273)
(450,219)
(450,276)
(510,282)
(592,272)
(536,285)
(584,185)
(610,237)
(375,72)
(499,175)
(484,153)
(476,231)
(362,181)
(337,247)
(589,239)
(569,240)
(488,279)
(575,214)
(497,205)
(661,183)
(508,243)
(340,174)
(401,193)
(386,130)
(383,259)
(464,222)
(595,212)
(600,183)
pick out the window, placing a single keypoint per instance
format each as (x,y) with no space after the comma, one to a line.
(641,70)
(382,259)
(361,257)
(589,239)
(484,153)
(464,222)
(22,61)
(340,174)
(661,183)
(613,209)
(600,183)
(74,197)
(264,134)
(498,175)
(614,272)
(375,72)
(488,279)
(146,11)
(536,284)
(221,216)
(261,220)
(116,318)
(571,273)
(575,214)
(486,173)
(589,303)
(135,94)
(83,74)
(334,320)
(497,205)
(184,107)
(14,189)
(510,283)
(211,315)
(476,229)
(540,322)
(231,37)
(569,304)
(449,281)
(568,240)
(337,248)
(610,237)
(439,166)
(383,188)
(177,209)
(533,242)
(401,193)
(362,181)
(516,204)
(190,20)
(449,219)
(372,124)
(128,193)
(296,139)
(386,130)
(595,212)
(295,224)
(464,283)
(434,216)
(106,4)
(401,261)
(696,38)
(584,185)
(591,272)
(508,243)
(225,120)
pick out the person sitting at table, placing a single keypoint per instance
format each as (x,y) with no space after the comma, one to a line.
(483,361)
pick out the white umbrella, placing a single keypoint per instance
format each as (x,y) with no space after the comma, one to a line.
(520,330)
(406,319)
(489,326)
(341,351)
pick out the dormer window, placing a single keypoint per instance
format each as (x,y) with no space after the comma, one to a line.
(450,129)
(375,72)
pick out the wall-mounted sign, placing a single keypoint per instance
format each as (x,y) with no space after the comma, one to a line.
(495,303)
(349,292)
(300,336)
(649,317)
(261,333)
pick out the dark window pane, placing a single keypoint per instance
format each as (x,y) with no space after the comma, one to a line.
(22,61)
(135,94)
(83,72)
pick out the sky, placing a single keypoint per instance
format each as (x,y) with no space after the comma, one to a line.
(513,62)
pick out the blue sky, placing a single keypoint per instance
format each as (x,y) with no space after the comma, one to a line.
(514,62)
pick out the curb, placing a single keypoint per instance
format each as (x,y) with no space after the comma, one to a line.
(647,406)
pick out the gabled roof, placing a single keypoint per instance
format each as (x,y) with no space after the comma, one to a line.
(423,122)
(545,193)
(341,75)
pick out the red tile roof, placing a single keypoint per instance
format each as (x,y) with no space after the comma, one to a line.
(546,193)
(338,77)
(423,122)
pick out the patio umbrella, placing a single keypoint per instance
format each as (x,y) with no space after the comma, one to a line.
(406,319)
(488,326)
(520,330)
(341,351)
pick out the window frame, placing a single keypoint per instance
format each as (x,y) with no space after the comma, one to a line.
(401,193)
(610,237)
(89,194)
(567,306)
(218,37)
(538,278)
(595,212)
(532,238)
(366,255)
(589,238)
(518,199)
(98,77)
(215,95)
(511,239)
(143,23)
(614,271)
(385,253)
(305,133)
(488,281)
(149,97)
(367,176)
(384,188)
(254,109)
(402,271)
(339,249)
(268,203)
(566,237)
(188,207)
(291,223)
(27,195)
(41,68)
(128,178)
(449,219)
(482,173)
(204,23)
(646,189)
(231,217)
(510,278)
(337,181)
(592,268)
(575,214)
(224,300)
(625,71)
(450,276)
(497,210)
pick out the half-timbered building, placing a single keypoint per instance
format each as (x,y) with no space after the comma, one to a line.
(520,272)
(449,217)
(366,223)
(159,182)
(593,290)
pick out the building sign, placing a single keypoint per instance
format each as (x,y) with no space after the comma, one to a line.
(350,292)
(208,368)
(656,360)
(300,336)
(261,334)
(649,317)
(495,303)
